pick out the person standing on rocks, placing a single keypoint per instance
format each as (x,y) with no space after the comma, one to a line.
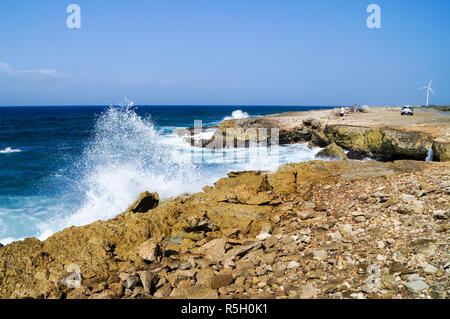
(341,113)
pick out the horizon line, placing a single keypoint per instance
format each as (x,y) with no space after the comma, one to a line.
(236,105)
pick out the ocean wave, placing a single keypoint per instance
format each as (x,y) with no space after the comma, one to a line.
(238,114)
(125,156)
(10,150)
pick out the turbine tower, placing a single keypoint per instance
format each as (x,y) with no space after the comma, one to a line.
(429,89)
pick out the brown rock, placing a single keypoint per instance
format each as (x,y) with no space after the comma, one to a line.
(203,277)
(203,293)
(149,280)
(245,267)
(213,250)
(308,291)
(163,291)
(144,203)
(149,250)
(412,207)
(333,151)
(397,267)
(221,280)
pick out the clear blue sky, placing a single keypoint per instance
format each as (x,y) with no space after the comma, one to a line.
(238,52)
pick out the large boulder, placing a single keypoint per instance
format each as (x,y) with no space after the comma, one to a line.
(333,151)
(144,203)
(383,143)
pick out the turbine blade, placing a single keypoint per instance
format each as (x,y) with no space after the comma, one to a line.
(432,91)
(423,87)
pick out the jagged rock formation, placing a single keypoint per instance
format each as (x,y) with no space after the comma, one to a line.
(381,133)
(441,150)
(144,203)
(317,229)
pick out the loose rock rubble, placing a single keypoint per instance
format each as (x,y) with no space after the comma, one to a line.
(311,230)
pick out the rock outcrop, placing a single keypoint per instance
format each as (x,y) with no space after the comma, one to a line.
(381,143)
(144,203)
(380,133)
(317,229)
(441,150)
(333,151)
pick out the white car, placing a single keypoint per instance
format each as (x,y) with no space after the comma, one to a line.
(407,110)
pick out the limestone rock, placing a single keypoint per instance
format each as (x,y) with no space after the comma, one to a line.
(149,250)
(163,291)
(319,254)
(208,240)
(132,281)
(144,203)
(214,250)
(308,291)
(221,280)
(332,151)
(411,207)
(149,280)
(441,150)
(416,286)
(194,293)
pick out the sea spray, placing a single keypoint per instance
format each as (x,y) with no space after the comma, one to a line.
(124,157)
(10,150)
(238,114)
(127,155)
(429,157)
(81,164)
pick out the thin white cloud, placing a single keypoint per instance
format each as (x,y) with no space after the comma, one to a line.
(6,68)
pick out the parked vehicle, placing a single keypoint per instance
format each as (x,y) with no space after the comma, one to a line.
(407,110)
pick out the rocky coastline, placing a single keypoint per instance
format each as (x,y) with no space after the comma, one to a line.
(377,132)
(320,229)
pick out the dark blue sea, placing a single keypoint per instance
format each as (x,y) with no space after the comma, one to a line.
(63,166)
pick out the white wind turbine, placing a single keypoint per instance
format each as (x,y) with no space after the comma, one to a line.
(428,87)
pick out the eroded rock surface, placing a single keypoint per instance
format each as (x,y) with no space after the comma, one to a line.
(332,151)
(311,230)
(380,133)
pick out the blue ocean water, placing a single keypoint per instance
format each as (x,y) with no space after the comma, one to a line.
(63,166)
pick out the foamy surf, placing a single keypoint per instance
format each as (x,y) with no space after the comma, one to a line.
(238,114)
(10,150)
(126,155)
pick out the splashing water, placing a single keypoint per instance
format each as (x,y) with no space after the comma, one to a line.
(125,157)
(83,167)
(429,157)
(10,150)
(238,114)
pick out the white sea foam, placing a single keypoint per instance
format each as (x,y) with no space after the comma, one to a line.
(238,114)
(127,156)
(8,240)
(10,150)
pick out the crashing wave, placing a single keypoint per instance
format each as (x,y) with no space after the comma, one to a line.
(125,156)
(238,114)
(10,150)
